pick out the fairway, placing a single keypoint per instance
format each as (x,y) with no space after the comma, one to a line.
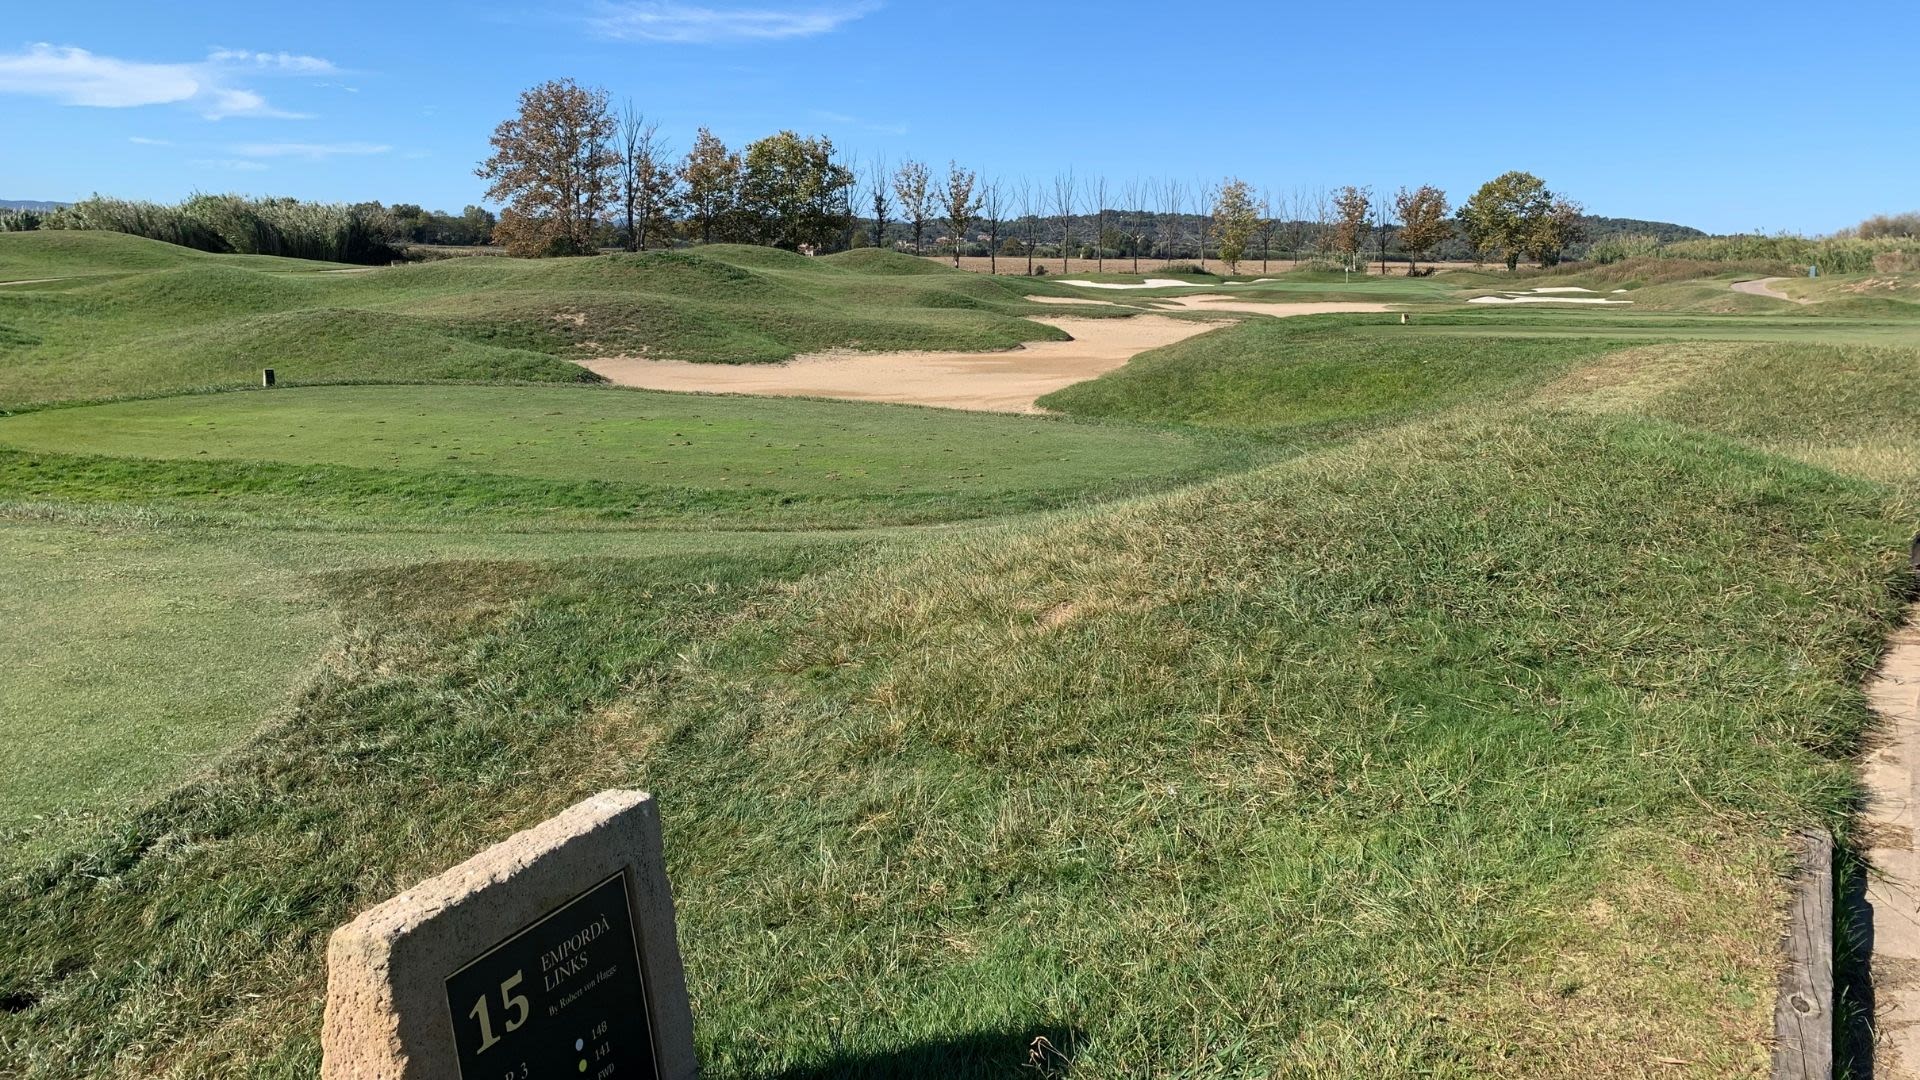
(736,448)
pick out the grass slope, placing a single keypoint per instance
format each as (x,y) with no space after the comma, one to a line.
(1274,375)
(132,317)
(1348,766)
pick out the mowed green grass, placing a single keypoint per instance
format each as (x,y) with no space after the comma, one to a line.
(1288,375)
(1358,764)
(139,656)
(1443,715)
(745,454)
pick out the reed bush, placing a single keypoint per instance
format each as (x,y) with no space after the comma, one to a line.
(241,225)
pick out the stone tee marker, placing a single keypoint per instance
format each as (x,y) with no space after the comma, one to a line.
(550,954)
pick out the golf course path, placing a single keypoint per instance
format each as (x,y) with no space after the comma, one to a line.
(1764,287)
(1005,381)
(1892,774)
(28,281)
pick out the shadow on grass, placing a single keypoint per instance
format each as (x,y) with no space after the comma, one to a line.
(1038,1053)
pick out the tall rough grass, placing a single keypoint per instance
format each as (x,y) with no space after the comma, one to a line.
(237,224)
(1833,255)
(1841,254)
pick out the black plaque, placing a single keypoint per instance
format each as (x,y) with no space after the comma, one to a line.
(562,998)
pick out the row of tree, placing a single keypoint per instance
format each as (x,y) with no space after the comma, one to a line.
(567,164)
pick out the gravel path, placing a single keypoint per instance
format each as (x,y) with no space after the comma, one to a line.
(1764,287)
(1892,774)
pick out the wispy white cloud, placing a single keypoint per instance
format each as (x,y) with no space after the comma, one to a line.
(310,151)
(691,24)
(74,76)
(280,61)
(230,164)
(142,140)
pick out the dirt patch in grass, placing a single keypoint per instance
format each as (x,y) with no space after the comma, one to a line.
(1005,381)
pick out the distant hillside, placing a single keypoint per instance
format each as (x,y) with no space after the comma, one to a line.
(30,204)
(1667,232)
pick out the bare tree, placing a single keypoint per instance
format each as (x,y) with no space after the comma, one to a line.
(633,128)
(1293,228)
(1065,192)
(1323,216)
(648,183)
(1383,232)
(993,204)
(1268,225)
(1098,190)
(880,198)
(1207,191)
(1133,220)
(961,205)
(914,186)
(1029,219)
(1172,198)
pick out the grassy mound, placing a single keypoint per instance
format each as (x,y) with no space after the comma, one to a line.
(174,319)
(1276,376)
(86,254)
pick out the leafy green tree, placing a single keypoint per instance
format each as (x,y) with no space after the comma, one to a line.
(1507,215)
(710,174)
(553,165)
(793,191)
(1234,222)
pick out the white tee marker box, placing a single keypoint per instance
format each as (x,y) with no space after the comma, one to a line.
(550,953)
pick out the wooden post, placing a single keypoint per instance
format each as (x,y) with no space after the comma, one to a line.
(1803,1014)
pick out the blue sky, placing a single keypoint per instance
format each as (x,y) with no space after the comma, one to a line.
(1729,116)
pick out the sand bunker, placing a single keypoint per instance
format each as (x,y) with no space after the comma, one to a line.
(1007,381)
(1083,300)
(1280,309)
(1551,294)
(1150,283)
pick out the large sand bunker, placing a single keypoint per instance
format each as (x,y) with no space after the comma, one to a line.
(1007,381)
